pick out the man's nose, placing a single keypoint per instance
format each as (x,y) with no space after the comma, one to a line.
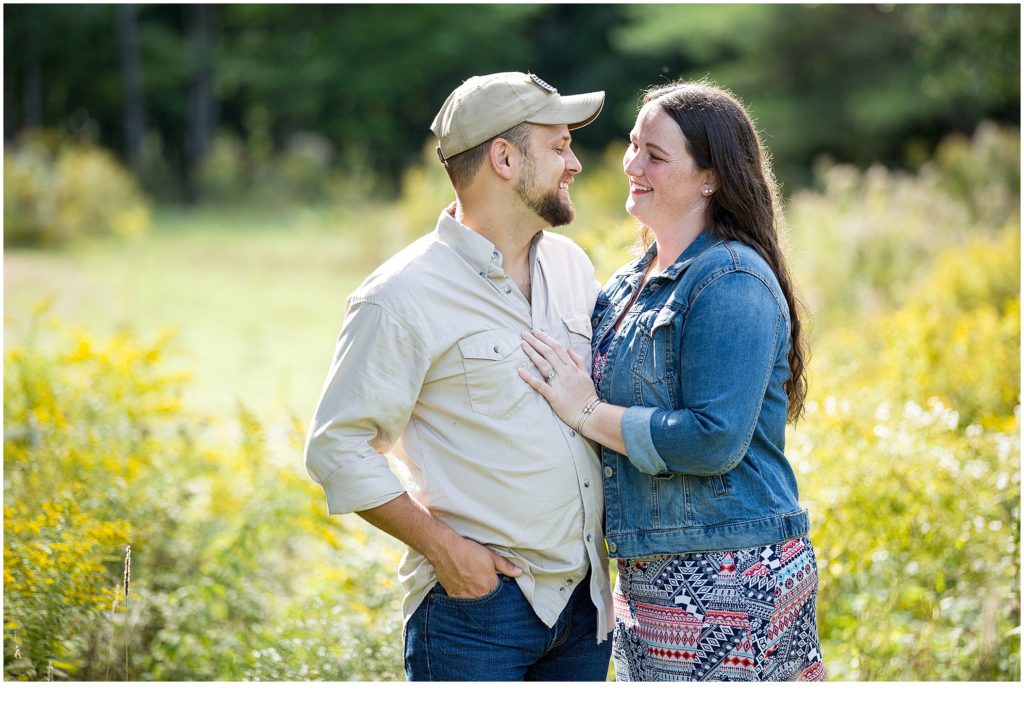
(573,164)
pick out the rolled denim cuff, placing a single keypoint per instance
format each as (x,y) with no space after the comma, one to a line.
(636,434)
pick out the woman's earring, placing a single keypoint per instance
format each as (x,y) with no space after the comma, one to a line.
(708,191)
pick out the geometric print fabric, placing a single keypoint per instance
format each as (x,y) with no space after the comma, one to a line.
(735,615)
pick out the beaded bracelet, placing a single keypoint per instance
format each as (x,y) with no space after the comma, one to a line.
(585,414)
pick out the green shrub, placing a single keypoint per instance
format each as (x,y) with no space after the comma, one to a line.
(223,175)
(862,243)
(57,584)
(916,523)
(910,464)
(230,548)
(56,192)
(958,339)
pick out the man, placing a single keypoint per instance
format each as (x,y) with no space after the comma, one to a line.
(506,575)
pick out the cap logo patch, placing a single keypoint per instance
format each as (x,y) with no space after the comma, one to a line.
(541,84)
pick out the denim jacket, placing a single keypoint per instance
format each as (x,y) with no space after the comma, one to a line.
(700,360)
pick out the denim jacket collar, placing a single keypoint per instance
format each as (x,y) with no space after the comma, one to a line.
(703,242)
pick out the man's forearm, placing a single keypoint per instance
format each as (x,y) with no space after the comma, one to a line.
(464,567)
(408,520)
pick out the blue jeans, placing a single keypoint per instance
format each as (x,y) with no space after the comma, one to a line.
(498,637)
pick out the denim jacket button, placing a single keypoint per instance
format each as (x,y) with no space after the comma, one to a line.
(612,547)
(608,472)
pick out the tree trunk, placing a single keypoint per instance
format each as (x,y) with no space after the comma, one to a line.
(200,106)
(131,84)
(33,95)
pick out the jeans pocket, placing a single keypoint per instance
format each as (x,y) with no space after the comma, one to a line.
(441,596)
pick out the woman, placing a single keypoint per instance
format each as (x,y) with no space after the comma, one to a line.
(698,366)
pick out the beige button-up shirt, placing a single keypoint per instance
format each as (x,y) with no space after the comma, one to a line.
(425,368)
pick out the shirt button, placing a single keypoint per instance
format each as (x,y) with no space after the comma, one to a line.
(561,589)
(612,547)
(497,349)
(572,433)
(608,472)
(568,582)
(586,483)
(589,538)
(508,290)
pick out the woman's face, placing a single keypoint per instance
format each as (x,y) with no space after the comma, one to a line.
(666,188)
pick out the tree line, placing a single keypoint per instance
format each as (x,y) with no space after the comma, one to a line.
(860,83)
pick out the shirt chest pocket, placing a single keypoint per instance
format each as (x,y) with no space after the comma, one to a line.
(490,360)
(580,332)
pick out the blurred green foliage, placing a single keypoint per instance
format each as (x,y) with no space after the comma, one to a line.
(908,458)
(234,559)
(57,190)
(863,240)
(864,83)
(910,455)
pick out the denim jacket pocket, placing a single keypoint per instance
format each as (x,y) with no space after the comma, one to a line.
(653,360)
(719,484)
(490,360)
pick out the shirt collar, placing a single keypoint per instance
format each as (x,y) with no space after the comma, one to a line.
(474,248)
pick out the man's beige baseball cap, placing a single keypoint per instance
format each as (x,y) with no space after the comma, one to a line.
(486,105)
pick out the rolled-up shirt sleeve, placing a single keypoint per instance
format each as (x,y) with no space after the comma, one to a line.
(371,389)
(729,346)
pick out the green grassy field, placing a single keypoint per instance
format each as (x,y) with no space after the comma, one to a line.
(254,299)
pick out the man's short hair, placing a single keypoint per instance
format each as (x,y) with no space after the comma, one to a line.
(462,167)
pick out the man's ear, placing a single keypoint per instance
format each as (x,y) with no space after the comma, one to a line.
(503,156)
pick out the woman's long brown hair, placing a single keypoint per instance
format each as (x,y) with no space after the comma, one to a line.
(720,136)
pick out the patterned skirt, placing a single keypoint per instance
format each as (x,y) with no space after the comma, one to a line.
(736,615)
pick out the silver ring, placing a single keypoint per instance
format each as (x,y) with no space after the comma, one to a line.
(551,375)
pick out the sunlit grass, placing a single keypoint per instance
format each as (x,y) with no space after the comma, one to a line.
(255,298)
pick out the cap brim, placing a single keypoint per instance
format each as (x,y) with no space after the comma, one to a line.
(575,110)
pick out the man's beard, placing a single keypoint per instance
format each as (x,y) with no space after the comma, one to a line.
(546,205)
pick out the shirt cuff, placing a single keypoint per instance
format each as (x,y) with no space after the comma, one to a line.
(344,498)
(636,434)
